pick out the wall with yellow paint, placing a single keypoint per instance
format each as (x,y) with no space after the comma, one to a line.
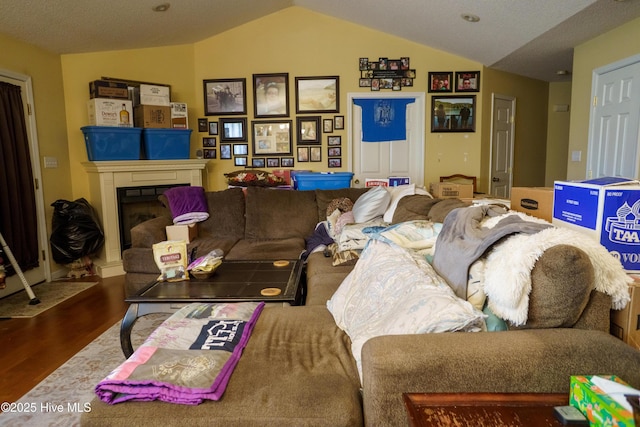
(558,124)
(610,47)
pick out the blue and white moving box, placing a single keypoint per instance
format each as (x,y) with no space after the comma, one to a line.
(608,209)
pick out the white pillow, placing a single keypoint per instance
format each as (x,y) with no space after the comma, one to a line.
(396,194)
(371,204)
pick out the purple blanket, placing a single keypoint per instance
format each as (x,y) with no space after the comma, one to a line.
(187,204)
(188,359)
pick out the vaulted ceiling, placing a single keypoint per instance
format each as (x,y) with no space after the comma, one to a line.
(534,38)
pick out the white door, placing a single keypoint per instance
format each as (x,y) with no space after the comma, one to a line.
(387,158)
(42,272)
(615,118)
(502,141)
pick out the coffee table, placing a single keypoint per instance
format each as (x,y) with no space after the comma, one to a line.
(233,281)
(483,409)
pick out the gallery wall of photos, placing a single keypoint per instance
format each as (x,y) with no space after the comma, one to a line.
(275,138)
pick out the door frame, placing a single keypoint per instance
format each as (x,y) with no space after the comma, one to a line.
(34,151)
(595,76)
(512,99)
(420,98)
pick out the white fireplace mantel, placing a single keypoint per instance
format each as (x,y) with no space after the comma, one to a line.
(107,176)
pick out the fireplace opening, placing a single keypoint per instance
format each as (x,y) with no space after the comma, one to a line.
(136,205)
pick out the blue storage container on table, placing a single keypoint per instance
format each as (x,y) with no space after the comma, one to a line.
(166,144)
(323,180)
(112,143)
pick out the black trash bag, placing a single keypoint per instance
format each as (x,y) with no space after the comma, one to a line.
(76,231)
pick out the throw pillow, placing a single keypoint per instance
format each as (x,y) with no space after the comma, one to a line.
(371,204)
(396,194)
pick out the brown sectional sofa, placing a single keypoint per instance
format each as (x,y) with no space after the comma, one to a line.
(297,369)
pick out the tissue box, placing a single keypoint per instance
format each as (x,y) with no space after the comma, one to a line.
(182,232)
(596,405)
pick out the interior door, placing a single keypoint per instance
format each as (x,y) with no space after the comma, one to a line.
(42,272)
(502,141)
(387,158)
(614,133)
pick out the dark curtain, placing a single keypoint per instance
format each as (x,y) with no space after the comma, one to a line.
(18,221)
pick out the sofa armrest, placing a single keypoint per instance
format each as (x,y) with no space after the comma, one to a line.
(538,361)
(145,234)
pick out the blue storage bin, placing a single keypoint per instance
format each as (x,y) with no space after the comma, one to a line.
(323,180)
(166,144)
(112,143)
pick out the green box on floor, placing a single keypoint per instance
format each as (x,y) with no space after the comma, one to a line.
(600,408)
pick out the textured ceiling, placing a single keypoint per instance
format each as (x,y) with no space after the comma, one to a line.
(528,37)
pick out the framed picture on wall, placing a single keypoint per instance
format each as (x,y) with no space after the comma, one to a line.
(225,97)
(309,130)
(317,94)
(271,137)
(441,81)
(315,154)
(271,95)
(233,129)
(286,162)
(468,81)
(225,151)
(453,113)
(273,162)
(203,125)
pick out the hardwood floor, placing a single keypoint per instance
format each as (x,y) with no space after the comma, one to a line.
(33,348)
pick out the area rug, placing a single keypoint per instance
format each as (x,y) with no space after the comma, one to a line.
(49,294)
(62,397)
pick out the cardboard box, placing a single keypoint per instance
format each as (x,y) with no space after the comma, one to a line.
(395,181)
(155,95)
(110,112)
(179,116)
(376,182)
(596,405)
(605,209)
(448,190)
(534,201)
(625,324)
(152,116)
(108,89)
(182,232)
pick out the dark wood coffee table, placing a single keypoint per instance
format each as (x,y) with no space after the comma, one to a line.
(233,281)
(483,409)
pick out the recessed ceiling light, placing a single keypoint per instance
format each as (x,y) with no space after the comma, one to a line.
(161,7)
(470,17)
(563,72)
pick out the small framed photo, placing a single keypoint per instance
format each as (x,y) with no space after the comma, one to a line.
(203,125)
(364,82)
(375,85)
(382,63)
(364,64)
(286,162)
(335,151)
(317,94)
(454,113)
(440,81)
(209,141)
(468,81)
(334,140)
(209,153)
(273,162)
(213,128)
(335,163)
(233,129)
(272,137)
(271,95)
(225,151)
(257,162)
(338,122)
(303,154)
(240,161)
(225,97)
(327,125)
(309,130)
(315,154)
(240,149)
(404,63)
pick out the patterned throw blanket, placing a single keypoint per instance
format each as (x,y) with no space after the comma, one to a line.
(188,359)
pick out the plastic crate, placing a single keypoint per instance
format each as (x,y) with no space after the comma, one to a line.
(166,144)
(112,143)
(323,180)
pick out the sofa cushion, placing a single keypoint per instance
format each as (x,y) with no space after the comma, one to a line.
(325,197)
(279,214)
(226,214)
(371,205)
(296,370)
